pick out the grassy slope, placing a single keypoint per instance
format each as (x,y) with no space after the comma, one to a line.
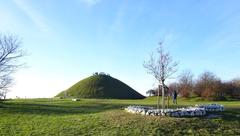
(106,117)
(101,86)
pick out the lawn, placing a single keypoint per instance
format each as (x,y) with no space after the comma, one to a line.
(107,117)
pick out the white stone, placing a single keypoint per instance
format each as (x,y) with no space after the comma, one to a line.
(192,113)
(198,110)
(76,99)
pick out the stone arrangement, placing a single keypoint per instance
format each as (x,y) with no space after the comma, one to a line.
(211,107)
(76,99)
(197,111)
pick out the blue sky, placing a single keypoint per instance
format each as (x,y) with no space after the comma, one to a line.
(68,40)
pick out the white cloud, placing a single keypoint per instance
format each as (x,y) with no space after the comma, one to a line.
(33,14)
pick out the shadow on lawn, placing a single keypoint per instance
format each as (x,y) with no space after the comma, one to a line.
(231,115)
(35,108)
(87,108)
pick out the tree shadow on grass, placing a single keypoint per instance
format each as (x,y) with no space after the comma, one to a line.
(231,115)
(36,108)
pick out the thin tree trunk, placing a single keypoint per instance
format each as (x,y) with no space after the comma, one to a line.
(163,96)
(158,102)
(168,101)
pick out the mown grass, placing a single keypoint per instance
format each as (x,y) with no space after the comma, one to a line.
(106,117)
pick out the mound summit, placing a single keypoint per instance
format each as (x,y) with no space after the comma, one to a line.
(101,86)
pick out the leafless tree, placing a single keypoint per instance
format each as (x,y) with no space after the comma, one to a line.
(10,53)
(151,92)
(161,67)
(186,83)
(235,93)
(209,86)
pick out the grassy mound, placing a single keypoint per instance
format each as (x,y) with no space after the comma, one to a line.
(101,86)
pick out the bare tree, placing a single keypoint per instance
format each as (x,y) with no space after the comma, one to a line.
(10,53)
(161,67)
(151,92)
(236,88)
(186,83)
(209,86)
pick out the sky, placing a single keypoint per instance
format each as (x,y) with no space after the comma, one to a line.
(68,40)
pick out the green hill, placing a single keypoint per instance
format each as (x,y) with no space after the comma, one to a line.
(101,86)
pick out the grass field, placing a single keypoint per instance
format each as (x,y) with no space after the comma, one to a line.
(106,117)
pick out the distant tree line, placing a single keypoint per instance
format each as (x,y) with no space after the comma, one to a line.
(207,85)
